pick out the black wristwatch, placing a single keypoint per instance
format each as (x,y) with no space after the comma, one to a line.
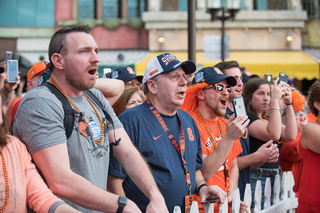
(122,203)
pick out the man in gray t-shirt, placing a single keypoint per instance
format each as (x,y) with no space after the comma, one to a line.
(76,168)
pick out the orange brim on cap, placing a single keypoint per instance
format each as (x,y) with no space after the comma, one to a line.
(191,100)
(37,68)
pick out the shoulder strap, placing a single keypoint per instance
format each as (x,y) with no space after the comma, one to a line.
(69,112)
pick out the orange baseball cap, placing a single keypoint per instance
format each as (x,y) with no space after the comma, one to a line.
(37,68)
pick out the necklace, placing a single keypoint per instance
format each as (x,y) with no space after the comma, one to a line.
(6,180)
(245,130)
(206,126)
(98,142)
(214,141)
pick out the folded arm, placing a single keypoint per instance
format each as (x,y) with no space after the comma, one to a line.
(54,163)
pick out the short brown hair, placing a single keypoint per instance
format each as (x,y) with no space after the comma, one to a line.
(120,105)
(226,65)
(58,40)
(314,97)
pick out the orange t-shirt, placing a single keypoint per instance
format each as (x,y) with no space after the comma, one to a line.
(311,117)
(25,184)
(208,147)
(291,159)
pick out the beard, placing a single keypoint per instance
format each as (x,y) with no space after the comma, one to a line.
(78,82)
(216,110)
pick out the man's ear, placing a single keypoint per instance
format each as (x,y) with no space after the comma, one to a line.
(201,95)
(57,61)
(152,86)
(316,104)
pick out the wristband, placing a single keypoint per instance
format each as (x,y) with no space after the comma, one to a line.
(288,104)
(202,185)
(122,203)
(274,108)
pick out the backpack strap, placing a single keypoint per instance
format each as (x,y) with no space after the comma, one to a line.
(108,117)
(69,112)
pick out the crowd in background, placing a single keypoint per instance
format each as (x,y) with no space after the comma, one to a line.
(218,150)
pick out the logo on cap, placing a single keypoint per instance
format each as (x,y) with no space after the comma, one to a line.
(217,70)
(153,72)
(198,77)
(130,70)
(168,58)
(114,74)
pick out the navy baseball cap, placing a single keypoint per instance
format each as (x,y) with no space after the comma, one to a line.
(44,77)
(124,73)
(165,63)
(212,75)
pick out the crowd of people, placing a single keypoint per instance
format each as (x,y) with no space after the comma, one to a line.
(125,143)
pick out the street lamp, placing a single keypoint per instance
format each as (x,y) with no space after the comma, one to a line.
(228,11)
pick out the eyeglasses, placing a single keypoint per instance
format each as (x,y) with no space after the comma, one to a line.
(220,88)
(298,112)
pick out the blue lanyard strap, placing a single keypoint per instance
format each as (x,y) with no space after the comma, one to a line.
(179,147)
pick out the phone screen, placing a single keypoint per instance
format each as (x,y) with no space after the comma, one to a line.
(238,106)
(268,77)
(283,77)
(8,56)
(12,71)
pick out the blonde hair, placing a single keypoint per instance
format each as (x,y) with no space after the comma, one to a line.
(120,105)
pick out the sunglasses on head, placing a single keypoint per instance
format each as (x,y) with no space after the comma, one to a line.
(298,112)
(220,87)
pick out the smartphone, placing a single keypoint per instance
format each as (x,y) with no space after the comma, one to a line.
(208,202)
(238,106)
(8,57)
(283,77)
(269,78)
(12,71)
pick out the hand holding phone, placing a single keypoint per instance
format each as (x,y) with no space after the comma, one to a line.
(283,78)
(238,106)
(12,71)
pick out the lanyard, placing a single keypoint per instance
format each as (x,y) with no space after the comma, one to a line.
(226,172)
(213,140)
(179,147)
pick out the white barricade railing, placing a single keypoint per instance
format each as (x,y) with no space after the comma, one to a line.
(287,203)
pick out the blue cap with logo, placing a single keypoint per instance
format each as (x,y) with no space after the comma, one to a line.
(165,63)
(124,73)
(212,75)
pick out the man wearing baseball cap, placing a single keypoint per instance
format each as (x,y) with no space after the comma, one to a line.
(34,74)
(167,137)
(127,75)
(206,101)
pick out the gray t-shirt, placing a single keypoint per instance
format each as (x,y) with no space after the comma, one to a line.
(39,124)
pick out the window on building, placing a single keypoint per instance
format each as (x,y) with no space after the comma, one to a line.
(311,7)
(86,9)
(31,13)
(111,9)
(270,4)
(136,8)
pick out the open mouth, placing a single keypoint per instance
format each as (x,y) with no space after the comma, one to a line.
(223,102)
(93,71)
(181,94)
